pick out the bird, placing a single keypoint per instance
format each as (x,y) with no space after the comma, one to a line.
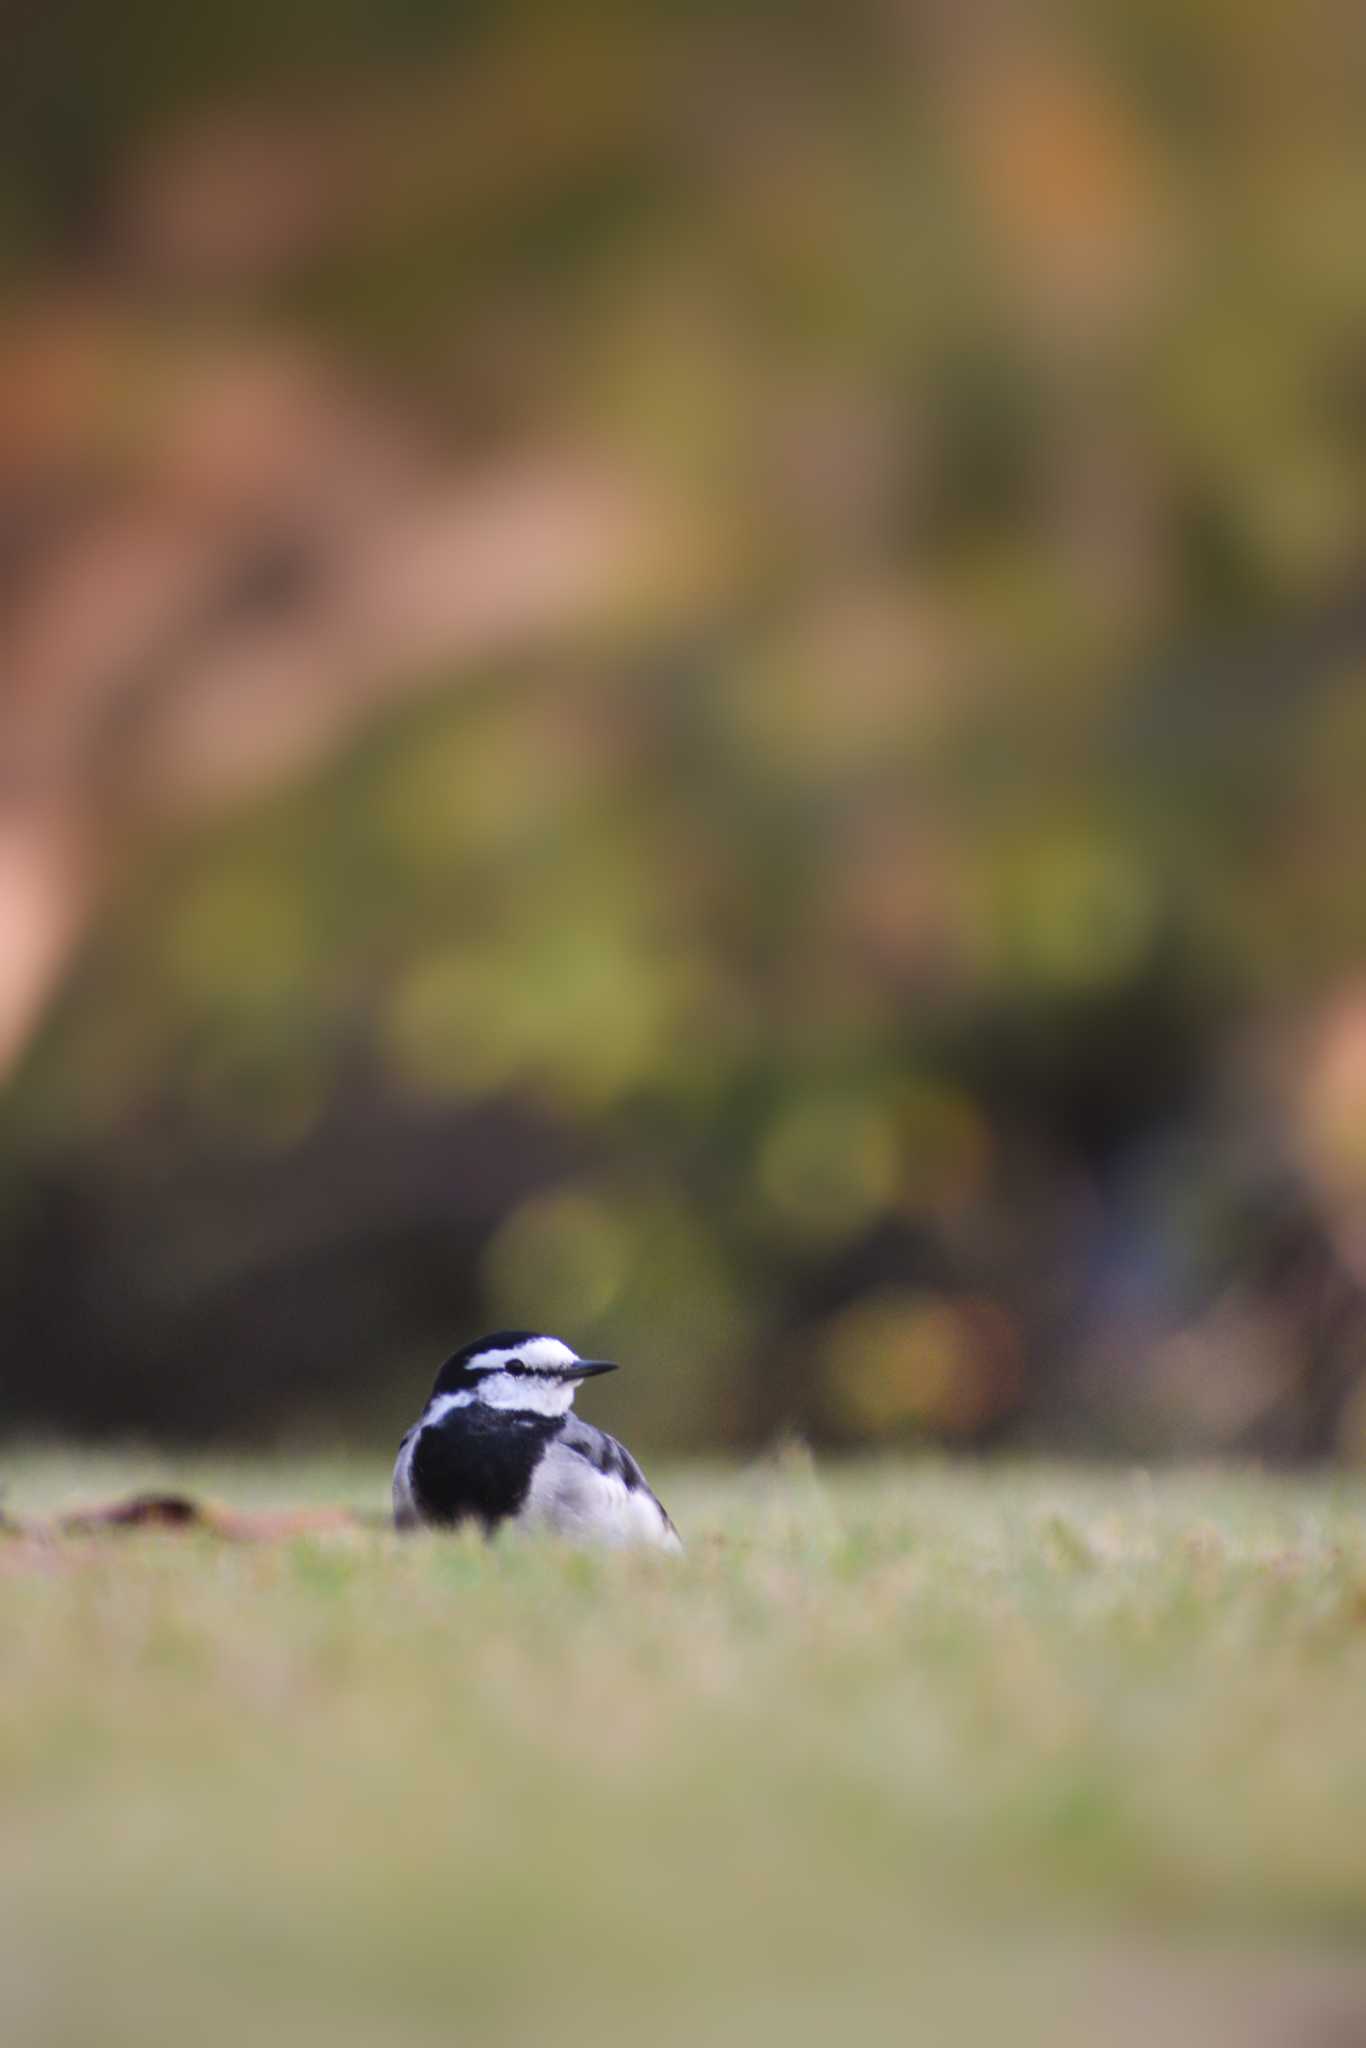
(498,1446)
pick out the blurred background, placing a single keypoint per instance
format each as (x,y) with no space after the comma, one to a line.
(694,675)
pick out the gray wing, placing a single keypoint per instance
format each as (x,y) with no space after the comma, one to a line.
(597,1480)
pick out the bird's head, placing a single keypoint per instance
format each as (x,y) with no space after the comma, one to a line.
(518,1370)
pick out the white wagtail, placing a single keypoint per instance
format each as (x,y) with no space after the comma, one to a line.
(497,1444)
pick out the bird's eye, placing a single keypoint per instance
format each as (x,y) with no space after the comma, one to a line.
(514,1365)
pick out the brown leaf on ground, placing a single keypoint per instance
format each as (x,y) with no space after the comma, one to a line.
(179,1511)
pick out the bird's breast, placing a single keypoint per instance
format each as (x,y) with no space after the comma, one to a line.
(472,1467)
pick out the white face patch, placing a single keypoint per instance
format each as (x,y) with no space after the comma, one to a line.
(531,1396)
(499,1389)
(508,1390)
(496,1388)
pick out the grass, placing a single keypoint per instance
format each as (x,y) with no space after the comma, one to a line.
(918,1752)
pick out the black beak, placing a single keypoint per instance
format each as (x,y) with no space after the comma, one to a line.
(588,1368)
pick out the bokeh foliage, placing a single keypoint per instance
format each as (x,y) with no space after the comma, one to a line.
(887,963)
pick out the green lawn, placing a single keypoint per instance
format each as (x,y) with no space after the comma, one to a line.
(913,1753)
